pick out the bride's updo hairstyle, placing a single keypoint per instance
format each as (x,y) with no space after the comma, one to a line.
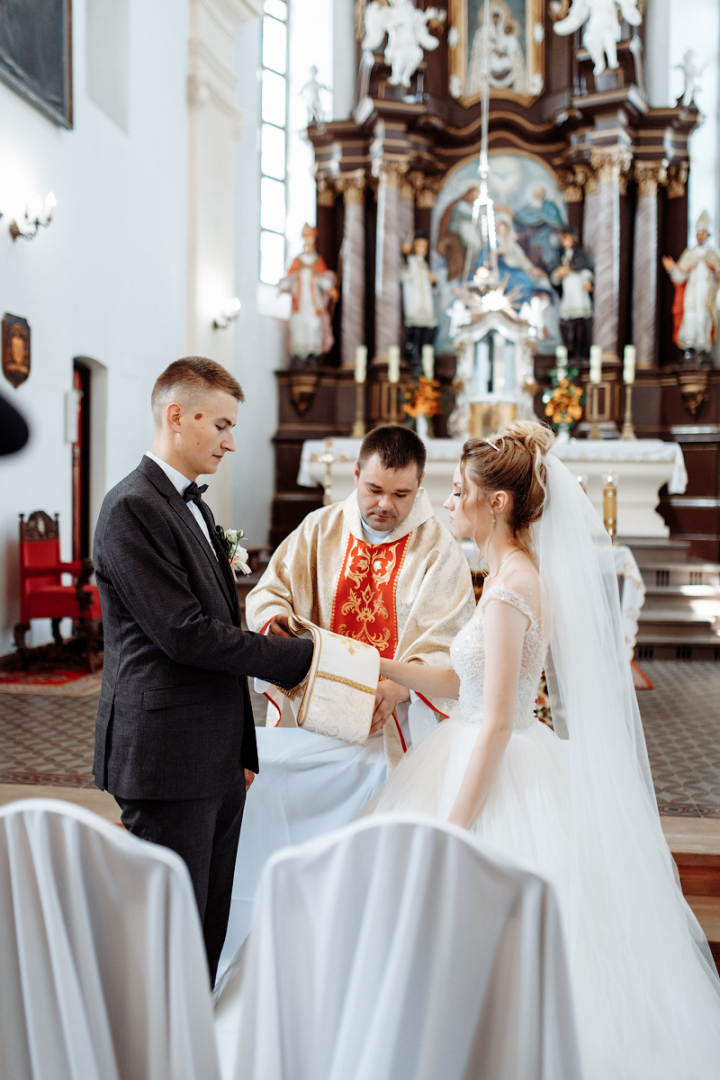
(512,461)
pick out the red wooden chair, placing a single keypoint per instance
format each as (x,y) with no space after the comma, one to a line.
(42,594)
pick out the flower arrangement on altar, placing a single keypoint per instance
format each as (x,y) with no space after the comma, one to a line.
(564,400)
(236,553)
(424,399)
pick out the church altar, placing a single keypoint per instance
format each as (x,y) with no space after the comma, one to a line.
(639,468)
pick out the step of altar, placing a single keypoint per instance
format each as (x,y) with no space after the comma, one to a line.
(650,549)
(695,847)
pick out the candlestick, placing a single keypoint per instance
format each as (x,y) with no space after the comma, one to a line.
(394,364)
(628,430)
(629,364)
(359,425)
(428,361)
(610,507)
(596,364)
(360,363)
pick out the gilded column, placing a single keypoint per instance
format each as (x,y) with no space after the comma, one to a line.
(603,217)
(387,256)
(645,262)
(352,186)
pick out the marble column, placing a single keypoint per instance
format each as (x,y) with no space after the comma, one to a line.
(645,262)
(353,270)
(387,259)
(602,231)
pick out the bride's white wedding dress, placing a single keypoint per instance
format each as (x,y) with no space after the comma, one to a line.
(580,810)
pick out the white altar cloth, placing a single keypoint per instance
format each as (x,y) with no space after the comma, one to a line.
(639,467)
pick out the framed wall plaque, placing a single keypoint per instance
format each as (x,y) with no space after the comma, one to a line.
(36,54)
(516,48)
(15,349)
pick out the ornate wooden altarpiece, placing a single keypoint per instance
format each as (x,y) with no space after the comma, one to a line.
(589,150)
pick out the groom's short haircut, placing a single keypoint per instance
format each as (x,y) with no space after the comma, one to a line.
(189,376)
(397,447)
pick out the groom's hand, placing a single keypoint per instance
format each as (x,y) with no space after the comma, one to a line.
(249,777)
(279,627)
(389,694)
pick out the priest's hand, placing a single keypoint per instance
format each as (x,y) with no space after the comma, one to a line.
(389,694)
(279,627)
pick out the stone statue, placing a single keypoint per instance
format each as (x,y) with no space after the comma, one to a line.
(602,27)
(418,303)
(407,34)
(691,75)
(573,279)
(312,287)
(695,276)
(310,94)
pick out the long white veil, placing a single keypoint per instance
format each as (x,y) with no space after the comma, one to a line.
(637,925)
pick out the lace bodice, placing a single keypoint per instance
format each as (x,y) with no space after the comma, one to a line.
(468,657)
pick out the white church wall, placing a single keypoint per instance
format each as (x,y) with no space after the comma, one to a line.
(105,280)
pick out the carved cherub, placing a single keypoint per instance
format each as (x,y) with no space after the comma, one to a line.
(407,32)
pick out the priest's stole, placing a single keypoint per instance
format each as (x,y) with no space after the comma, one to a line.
(364,606)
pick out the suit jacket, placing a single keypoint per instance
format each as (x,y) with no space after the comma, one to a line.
(175,719)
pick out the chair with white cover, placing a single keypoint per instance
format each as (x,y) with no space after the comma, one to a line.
(103,974)
(398,948)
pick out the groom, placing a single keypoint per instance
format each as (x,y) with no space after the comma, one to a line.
(175,737)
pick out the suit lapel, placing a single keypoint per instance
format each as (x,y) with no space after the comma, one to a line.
(163,484)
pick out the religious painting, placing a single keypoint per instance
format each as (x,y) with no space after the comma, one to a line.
(15,349)
(530,214)
(515,49)
(36,54)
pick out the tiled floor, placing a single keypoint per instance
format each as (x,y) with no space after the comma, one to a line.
(681,719)
(49,740)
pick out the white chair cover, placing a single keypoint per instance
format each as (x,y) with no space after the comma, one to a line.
(399,949)
(103,973)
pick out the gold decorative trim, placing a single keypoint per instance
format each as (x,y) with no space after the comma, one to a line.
(345,682)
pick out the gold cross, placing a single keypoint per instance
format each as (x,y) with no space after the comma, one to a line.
(327,459)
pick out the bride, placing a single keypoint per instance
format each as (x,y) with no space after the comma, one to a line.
(577,805)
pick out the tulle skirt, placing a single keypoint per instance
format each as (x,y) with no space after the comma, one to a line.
(650,1011)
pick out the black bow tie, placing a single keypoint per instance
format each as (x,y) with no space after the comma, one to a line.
(193,493)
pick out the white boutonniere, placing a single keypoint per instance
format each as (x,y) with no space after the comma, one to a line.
(236,553)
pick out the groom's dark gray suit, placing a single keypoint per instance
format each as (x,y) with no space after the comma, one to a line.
(175,727)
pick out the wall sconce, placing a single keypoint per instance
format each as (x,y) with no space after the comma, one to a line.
(36,217)
(228,313)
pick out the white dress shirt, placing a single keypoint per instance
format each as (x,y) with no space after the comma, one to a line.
(180,483)
(372,535)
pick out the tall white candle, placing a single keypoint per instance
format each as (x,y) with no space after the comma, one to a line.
(629,364)
(394,364)
(595,363)
(561,358)
(360,363)
(428,361)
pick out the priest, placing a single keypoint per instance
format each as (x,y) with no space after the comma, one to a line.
(379,568)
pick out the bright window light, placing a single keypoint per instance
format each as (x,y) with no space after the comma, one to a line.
(272,153)
(272,205)
(276,8)
(272,257)
(273,98)
(274,45)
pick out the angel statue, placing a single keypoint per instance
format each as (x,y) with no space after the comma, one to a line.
(310,94)
(407,34)
(691,74)
(603,30)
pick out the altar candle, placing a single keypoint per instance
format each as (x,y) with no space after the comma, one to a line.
(629,364)
(595,363)
(561,360)
(428,361)
(394,364)
(360,363)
